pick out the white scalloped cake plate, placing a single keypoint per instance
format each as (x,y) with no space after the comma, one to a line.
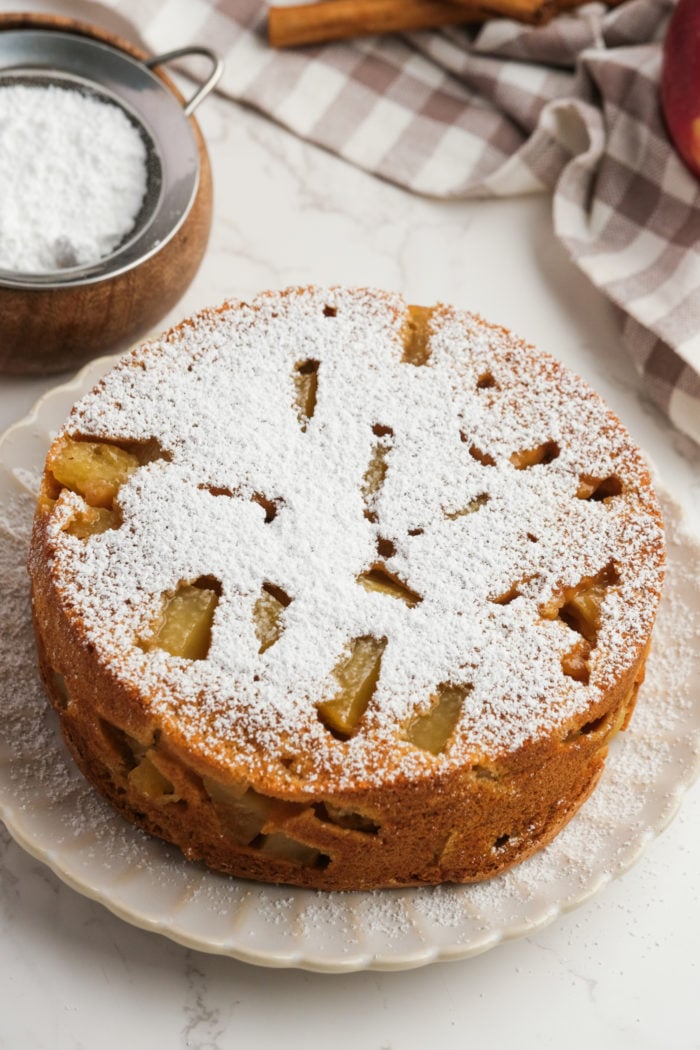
(55,816)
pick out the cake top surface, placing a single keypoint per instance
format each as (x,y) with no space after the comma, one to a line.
(317,441)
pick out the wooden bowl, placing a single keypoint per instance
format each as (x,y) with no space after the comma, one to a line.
(53,322)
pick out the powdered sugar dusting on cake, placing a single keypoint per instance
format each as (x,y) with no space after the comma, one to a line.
(464,524)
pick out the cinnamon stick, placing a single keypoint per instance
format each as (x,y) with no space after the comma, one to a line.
(342,19)
(519,10)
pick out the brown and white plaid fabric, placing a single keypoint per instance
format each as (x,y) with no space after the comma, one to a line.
(570,108)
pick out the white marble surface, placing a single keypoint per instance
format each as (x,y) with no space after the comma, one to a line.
(620,971)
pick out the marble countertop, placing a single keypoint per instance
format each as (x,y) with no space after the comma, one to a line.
(618,972)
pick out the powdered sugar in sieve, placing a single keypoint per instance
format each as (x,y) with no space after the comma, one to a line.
(77,175)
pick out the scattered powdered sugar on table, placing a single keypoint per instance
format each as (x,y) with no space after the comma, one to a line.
(72,178)
(218,397)
(49,808)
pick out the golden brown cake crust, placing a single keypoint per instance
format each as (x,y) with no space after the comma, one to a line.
(505,514)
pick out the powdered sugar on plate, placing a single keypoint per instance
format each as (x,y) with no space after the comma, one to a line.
(57,817)
(72,178)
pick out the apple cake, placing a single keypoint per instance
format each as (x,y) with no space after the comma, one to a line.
(343,593)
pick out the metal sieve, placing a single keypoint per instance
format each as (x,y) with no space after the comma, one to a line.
(42,57)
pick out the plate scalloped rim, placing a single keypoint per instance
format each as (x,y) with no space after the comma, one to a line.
(261,908)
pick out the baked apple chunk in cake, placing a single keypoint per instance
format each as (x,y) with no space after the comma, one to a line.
(338,592)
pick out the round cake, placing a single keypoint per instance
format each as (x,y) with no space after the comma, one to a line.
(343,593)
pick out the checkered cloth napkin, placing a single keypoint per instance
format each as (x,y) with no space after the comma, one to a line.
(571,108)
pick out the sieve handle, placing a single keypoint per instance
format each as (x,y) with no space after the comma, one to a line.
(208,85)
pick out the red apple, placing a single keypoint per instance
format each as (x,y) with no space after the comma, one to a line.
(680,81)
